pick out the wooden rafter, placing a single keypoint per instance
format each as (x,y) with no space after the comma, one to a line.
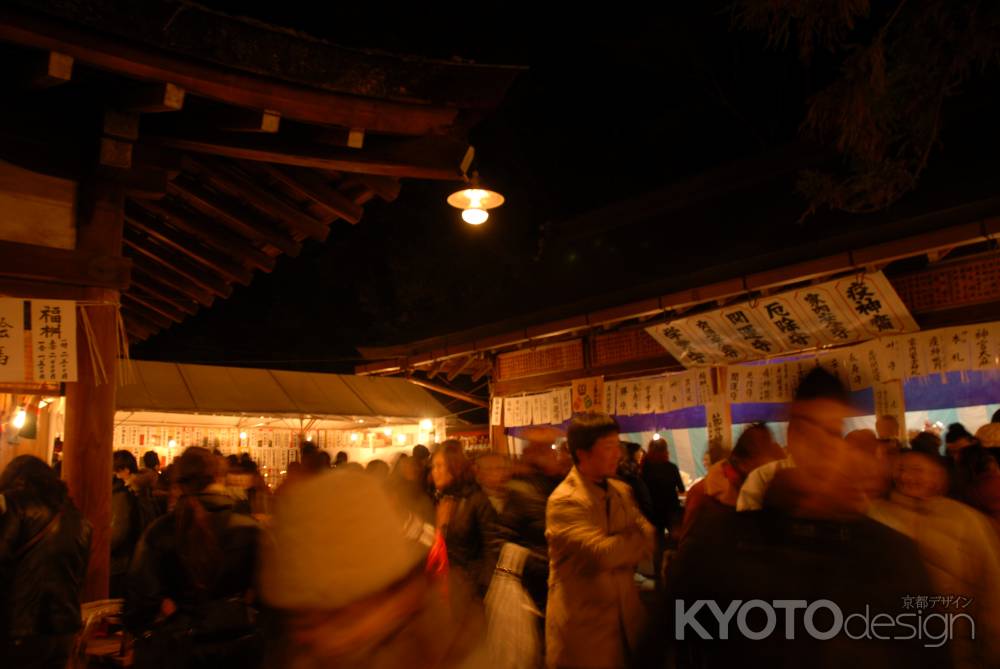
(233,214)
(152,98)
(209,232)
(192,273)
(308,185)
(151,275)
(163,310)
(149,314)
(47,69)
(177,241)
(154,289)
(227,178)
(461,367)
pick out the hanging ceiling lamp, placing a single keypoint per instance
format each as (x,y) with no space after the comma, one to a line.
(474,200)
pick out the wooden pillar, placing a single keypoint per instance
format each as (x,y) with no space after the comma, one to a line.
(90,401)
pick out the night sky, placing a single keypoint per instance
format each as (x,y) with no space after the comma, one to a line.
(610,108)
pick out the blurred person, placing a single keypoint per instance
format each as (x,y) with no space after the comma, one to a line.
(596,536)
(377,468)
(957,544)
(406,488)
(191,585)
(810,542)
(977,481)
(350,589)
(492,474)
(44,551)
(926,442)
(149,477)
(324,461)
(663,479)
(422,458)
(720,488)
(957,438)
(340,459)
(875,479)
(887,428)
(465,518)
(818,411)
(125,520)
(630,472)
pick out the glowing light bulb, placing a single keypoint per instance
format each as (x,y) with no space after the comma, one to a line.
(426,424)
(172,444)
(243,436)
(387,431)
(354,436)
(474,216)
(19,418)
(401,439)
(656,437)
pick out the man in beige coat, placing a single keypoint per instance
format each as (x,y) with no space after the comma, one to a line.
(596,536)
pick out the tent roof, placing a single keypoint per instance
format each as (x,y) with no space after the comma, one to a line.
(167,386)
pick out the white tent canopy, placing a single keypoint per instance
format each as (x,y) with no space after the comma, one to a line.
(203,389)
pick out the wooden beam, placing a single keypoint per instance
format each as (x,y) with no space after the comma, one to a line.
(163,294)
(156,311)
(115,153)
(386,188)
(308,185)
(425,158)
(436,369)
(121,125)
(209,232)
(200,277)
(483,370)
(222,84)
(158,157)
(232,214)
(147,314)
(48,69)
(461,367)
(142,183)
(136,329)
(171,238)
(152,98)
(226,178)
(44,263)
(465,397)
(235,119)
(154,272)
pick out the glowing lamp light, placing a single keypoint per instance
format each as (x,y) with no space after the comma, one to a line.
(243,436)
(426,424)
(401,439)
(19,418)
(172,443)
(656,437)
(354,436)
(474,201)
(387,431)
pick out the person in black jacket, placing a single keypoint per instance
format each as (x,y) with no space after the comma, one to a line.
(663,479)
(192,577)
(465,517)
(44,551)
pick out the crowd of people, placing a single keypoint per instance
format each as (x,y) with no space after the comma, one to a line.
(592,554)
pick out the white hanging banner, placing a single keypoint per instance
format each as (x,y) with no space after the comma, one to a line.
(53,340)
(12,340)
(609,397)
(719,422)
(565,396)
(933,346)
(838,312)
(496,411)
(985,350)
(957,350)
(541,408)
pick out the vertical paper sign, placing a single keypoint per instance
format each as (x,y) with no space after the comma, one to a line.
(689,385)
(675,392)
(587,394)
(12,340)
(734,380)
(892,358)
(984,347)
(541,407)
(957,352)
(609,396)
(555,406)
(913,356)
(719,422)
(565,396)
(647,400)
(662,396)
(766,384)
(496,411)
(624,400)
(934,350)
(53,340)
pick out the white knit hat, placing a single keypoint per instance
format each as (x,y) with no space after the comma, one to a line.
(336,539)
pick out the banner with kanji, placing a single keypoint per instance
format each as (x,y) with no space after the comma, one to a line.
(844,311)
(37,341)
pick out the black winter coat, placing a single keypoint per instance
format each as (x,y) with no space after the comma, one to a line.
(40,586)
(469,536)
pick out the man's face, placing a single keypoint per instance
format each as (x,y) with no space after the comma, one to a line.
(918,477)
(602,460)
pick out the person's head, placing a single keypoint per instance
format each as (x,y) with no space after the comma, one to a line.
(755,447)
(996,417)
(921,475)
(421,454)
(312,458)
(658,451)
(324,460)
(543,458)
(449,466)
(957,437)
(887,427)
(124,465)
(340,459)
(816,416)
(377,468)
(976,461)
(196,539)
(492,471)
(926,442)
(633,451)
(406,469)
(196,469)
(593,445)
(29,475)
(150,460)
